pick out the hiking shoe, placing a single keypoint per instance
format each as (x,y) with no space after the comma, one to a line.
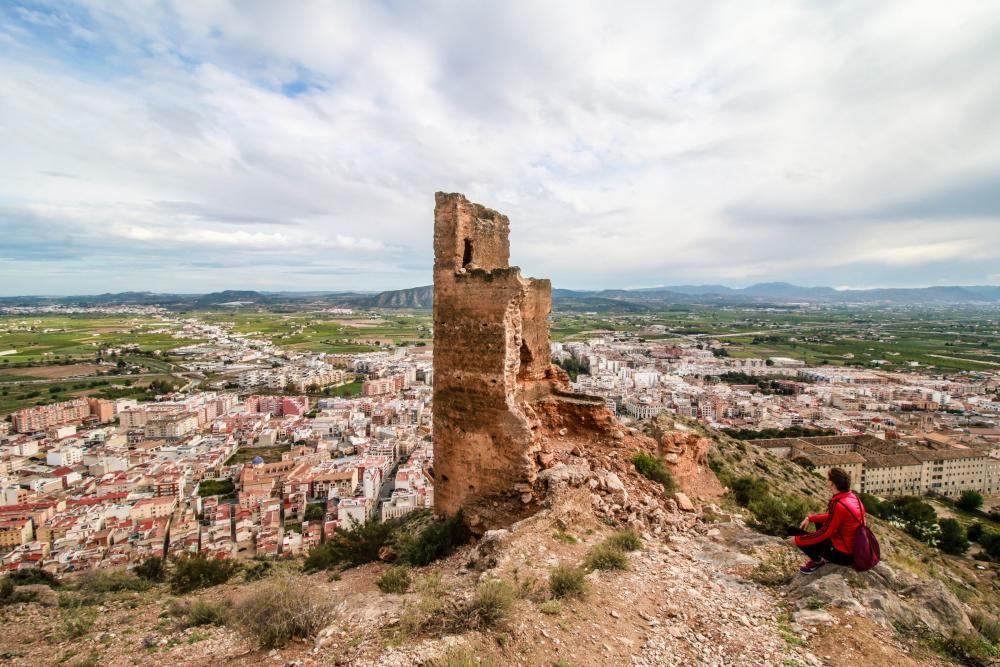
(811,566)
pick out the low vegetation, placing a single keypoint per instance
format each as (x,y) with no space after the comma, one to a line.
(567,581)
(776,569)
(396,580)
(196,613)
(273,612)
(606,556)
(195,571)
(416,539)
(652,467)
(491,604)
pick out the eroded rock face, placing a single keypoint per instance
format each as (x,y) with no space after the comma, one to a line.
(496,394)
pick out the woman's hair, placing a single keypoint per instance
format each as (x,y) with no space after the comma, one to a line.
(840,478)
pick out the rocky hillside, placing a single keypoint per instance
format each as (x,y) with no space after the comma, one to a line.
(617,568)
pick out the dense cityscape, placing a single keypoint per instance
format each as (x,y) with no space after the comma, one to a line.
(262,463)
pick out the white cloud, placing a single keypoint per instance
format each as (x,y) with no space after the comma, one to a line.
(645,144)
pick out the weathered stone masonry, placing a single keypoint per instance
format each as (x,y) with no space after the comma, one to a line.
(495,390)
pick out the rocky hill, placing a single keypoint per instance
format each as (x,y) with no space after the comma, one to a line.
(615,568)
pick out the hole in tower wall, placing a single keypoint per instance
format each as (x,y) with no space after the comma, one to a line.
(467,255)
(525,359)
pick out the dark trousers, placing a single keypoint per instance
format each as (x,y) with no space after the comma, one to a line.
(824,550)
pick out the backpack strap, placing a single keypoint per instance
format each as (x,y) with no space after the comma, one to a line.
(860,520)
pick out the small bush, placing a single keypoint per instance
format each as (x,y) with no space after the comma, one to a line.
(974,532)
(33,576)
(566,581)
(434,541)
(606,556)
(747,488)
(651,467)
(353,546)
(396,580)
(491,605)
(152,569)
(626,540)
(196,613)
(966,649)
(98,582)
(564,537)
(77,621)
(195,571)
(774,515)
(970,500)
(952,538)
(460,657)
(550,607)
(279,610)
(256,570)
(777,569)
(987,625)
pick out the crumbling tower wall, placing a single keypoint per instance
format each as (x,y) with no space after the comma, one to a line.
(492,368)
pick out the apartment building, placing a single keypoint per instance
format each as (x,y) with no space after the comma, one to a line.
(172,426)
(890,468)
(32,420)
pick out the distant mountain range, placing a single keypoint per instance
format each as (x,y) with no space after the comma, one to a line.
(635,300)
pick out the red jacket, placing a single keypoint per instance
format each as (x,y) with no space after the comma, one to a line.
(839,523)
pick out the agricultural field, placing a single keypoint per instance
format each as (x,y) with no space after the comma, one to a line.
(15,396)
(945,341)
(328,332)
(49,339)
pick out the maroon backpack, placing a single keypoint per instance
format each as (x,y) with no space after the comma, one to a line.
(866,549)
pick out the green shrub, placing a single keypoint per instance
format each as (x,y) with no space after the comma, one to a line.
(550,607)
(278,610)
(988,626)
(98,582)
(970,500)
(974,532)
(256,570)
(491,605)
(315,512)
(747,488)
(352,546)
(566,581)
(952,538)
(152,569)
(434,541)
(194,571)
(774,515)
(966,649)
(33,576)
(777,569)
(606,556)
(626,540)
(564,537)
(461,657)
(651,467)
(77,621)
(396,580)
(196,613)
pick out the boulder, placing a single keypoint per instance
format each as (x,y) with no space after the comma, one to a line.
(683,502)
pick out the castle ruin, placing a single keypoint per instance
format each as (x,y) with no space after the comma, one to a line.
(497,397)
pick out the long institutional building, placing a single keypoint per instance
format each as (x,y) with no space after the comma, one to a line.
(895,467)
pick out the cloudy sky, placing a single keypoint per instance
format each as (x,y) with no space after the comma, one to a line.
(201,145)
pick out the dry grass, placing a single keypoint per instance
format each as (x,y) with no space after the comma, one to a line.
(278,610)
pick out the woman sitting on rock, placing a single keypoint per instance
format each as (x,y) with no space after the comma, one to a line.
(833,540)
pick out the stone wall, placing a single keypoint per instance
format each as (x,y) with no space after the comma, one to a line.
(492,368)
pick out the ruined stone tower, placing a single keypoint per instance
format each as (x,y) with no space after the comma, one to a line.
(494,386)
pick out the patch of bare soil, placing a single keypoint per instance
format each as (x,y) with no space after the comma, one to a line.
(54,372)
